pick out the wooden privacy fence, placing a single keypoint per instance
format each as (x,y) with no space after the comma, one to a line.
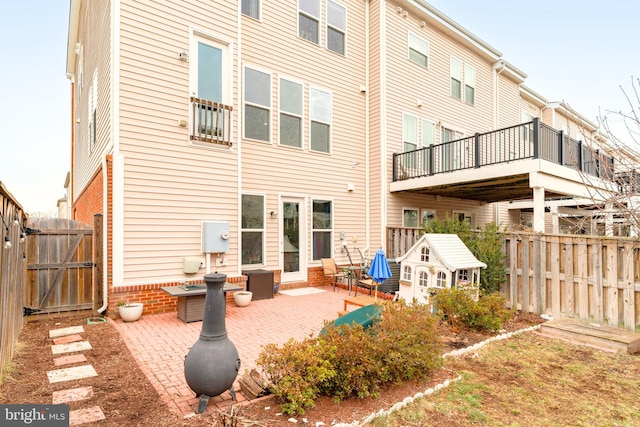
(12,222)
(592,278)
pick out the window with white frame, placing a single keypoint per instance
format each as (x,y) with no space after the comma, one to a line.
(336,27)
(456,77)
(423,279)
(251,8)
(257,104)
(469,84)
(410,218)
(92,111)
(253,229)
(418,50)
(441,279)
(428,215)
(322,229)
(451,157)
(320,117)
(309,20)
(406,273)
(409,132)
(464,217)
(463,275)
(424,254)
(290,113)
(463,81)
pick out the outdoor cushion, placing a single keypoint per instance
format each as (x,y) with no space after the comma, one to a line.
(364,316)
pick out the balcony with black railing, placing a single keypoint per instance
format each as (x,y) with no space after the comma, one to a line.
(526,141)
(211,121)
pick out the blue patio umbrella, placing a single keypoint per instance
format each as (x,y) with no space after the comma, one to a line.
(379,270)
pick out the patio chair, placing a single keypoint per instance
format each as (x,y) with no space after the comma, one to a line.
(330,269)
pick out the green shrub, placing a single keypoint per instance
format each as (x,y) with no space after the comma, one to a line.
(458,309)
(351,361)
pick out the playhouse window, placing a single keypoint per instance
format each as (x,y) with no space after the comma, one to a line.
(463,275)
(424,254)
(406,273)
(441,279)
(423,279)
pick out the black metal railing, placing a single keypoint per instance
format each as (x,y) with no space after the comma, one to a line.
(530,140)
(210,121)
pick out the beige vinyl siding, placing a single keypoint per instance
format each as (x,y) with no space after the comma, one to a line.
(171,185)
(432,87)
(94,34)
(530,108)
(275,170)
(508,102)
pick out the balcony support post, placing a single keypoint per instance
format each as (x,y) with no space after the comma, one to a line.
(431,161)
(538,209)
(560,147)
(579,159)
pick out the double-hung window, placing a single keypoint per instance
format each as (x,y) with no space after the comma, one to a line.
(251,8)
(409,142)
(320,116)
(469,84)
(257,104)
(336,27)
(456,77)
(93,111)
(418,50)
(253,230)
(410,218)
(322,225)
(309,20)
(290,113)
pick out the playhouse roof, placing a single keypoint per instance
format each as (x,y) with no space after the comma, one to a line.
(449,249)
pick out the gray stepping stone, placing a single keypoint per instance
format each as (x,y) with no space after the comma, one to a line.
(68,374)
(54,333)
(71,347)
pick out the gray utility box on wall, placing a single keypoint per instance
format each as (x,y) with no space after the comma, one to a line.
(260,282)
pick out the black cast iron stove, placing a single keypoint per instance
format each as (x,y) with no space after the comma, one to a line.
(212,364)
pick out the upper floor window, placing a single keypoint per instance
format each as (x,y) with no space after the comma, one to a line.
(418,50)
(210,90)
(336,27)
(469,84)
(320,115)
(309,20)
(463,74)
(290,113)
(322,225)
(257,104)
(253,230)
(251,8)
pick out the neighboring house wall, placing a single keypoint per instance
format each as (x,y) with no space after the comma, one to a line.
(92,92)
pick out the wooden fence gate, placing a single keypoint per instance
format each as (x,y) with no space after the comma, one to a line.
(60,265)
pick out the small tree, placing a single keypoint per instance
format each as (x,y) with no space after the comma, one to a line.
(486,245)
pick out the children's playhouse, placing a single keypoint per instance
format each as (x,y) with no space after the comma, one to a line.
(438,261)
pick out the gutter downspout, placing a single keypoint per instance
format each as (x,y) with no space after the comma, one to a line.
(367,195)
(496,209)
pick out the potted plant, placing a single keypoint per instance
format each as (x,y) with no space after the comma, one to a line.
(242,298)
(130,311)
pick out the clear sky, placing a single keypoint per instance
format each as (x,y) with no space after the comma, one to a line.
(579,52)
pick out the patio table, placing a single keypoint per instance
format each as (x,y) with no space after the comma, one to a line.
(191,299)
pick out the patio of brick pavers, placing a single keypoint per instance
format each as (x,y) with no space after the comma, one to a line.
(160,342)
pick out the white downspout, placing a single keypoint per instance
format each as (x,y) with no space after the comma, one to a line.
(496,208)
(367,194)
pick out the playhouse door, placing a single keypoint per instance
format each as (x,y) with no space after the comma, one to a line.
(422,286)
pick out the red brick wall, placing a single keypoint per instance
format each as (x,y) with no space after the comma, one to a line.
(89,202)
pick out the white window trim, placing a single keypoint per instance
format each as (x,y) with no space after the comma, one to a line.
(404,136)
(465,67)
(302,116)
(264,228)
(333,227)
(318,18)
(259,18)
(346,20)
(409,35)
(270,108)
(410,209)
(451,59)
(407,273)
(330,123)
(197,35)
(419,274)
